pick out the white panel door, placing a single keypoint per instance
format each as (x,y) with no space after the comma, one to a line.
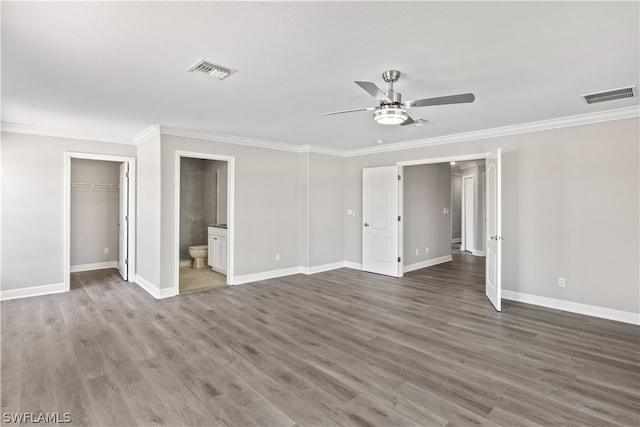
(380,228)
(493,281)
(123,222)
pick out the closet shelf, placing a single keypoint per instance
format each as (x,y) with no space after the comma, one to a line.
(85,184)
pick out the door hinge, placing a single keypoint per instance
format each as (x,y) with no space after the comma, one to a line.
(126,174)
(399,178)
(399,218)
(399,259)
(126,261)
(126,217)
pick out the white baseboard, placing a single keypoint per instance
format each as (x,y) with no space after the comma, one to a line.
(273,274)
(456,240)
(264,275)
(353,265)
(95,266)
(153,290)
(478,253)
(321,268)
(32,291)
(427,263)
(573,307)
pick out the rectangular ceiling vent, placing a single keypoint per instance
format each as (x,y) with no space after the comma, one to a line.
(215,70)
(610,95)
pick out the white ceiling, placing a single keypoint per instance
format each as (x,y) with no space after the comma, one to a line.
(116,68)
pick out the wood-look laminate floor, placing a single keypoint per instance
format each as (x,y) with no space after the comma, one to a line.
(336,348)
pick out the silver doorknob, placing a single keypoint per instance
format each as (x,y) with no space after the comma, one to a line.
(366,224)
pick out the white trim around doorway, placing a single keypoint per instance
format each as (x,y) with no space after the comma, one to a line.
(464,240)
(231,185)
(68,156)
(403,163)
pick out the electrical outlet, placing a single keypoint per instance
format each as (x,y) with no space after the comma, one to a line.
(561,282)
(106,251)
(417,252)
(426,250)
(277,257)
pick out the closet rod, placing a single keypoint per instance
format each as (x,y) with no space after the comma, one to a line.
(83,184)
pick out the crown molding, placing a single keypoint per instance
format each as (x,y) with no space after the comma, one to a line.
(146,134)
(323,150)
(229,139)
(64,133)
(561,122)
(155,130)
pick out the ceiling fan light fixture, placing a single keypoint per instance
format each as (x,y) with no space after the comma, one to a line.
(390,116)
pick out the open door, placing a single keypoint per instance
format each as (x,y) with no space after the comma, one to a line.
(493,281)
(123,222)
(380,228)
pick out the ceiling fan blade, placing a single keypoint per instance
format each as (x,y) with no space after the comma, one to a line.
(409,121)
(374,91)
(348,111)
(441,100)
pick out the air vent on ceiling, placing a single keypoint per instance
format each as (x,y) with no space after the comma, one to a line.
(214,70)
(610,95)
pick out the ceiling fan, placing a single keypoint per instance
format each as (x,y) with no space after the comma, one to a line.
(392,111)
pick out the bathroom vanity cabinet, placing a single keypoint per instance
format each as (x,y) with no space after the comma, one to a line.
(218,249)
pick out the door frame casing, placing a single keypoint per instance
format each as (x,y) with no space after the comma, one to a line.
(125,264)
(231,182)
(464,209)
(131,238)
(428,161)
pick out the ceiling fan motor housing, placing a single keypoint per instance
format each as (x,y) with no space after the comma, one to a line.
(395,97)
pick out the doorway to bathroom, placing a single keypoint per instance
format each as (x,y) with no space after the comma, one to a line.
(204,198)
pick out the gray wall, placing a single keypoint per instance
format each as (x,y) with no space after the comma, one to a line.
(266,206)
(427,192)
(94,211)
(570,208)
(456,207)
(33,205)
(302,190)
(148,211)
(325,209)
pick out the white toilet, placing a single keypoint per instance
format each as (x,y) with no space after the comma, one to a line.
(198,253)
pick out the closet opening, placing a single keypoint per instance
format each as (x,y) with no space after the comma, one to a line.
(99,215)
